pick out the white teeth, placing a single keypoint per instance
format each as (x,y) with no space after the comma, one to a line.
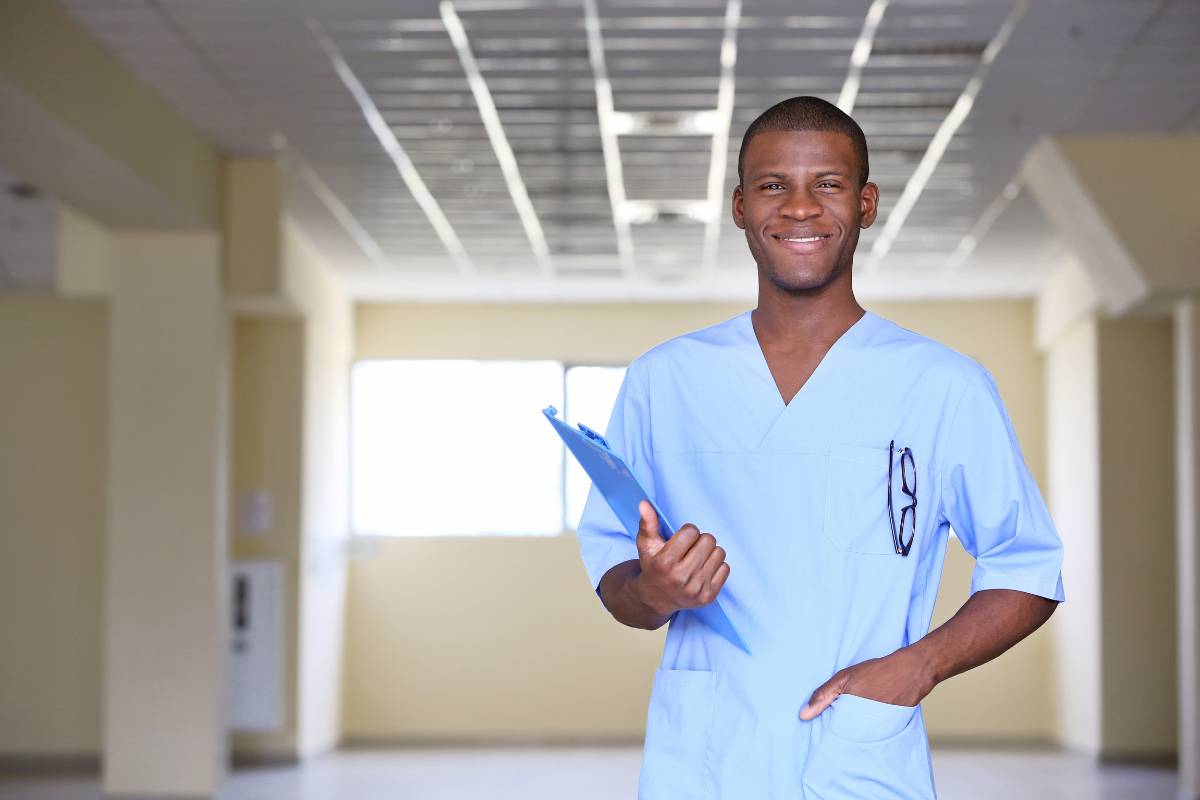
(806,239)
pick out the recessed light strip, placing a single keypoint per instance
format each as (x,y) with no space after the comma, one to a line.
(495,132)
(720,139)
(860,55)
(941,139)
(608,138)
(391,146)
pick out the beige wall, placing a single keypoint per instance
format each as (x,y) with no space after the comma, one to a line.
(268,417)
(166,624)
(325,487)
(291,405)
(1137,505)
(1073,448)
(502,639)
(54,370)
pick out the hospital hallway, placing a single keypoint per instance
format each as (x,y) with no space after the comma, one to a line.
(341,340)
(610,773)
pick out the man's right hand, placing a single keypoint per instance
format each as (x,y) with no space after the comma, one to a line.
(685,571)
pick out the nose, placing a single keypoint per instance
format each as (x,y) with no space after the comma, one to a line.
(800,204)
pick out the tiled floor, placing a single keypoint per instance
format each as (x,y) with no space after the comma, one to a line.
(611,774)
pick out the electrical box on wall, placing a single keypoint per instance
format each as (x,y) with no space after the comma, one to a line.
(256,676)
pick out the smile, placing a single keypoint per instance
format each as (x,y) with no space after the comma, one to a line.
(804,244)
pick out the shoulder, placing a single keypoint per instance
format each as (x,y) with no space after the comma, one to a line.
(689,348)
(936,362)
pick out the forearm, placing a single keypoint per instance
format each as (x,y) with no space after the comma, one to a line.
(619,593)
(990,622)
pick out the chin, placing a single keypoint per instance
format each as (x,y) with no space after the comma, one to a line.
(799,281)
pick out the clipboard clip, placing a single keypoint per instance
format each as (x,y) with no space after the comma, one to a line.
(595,437)
(551,411)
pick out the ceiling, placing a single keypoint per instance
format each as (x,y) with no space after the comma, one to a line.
(586,148)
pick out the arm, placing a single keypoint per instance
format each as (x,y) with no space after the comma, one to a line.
(990,622)
(686,571)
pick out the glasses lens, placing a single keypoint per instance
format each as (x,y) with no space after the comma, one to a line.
(908,522)
(908,472)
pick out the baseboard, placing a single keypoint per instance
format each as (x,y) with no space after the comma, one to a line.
(264,759)
(1003,744)
(1161,758)
(50,764)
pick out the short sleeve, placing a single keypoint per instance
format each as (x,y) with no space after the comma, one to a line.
(603,541)
(991,501)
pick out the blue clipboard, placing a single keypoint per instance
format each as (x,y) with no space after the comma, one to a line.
(620,487)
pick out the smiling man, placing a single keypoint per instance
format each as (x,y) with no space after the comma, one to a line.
(821,455)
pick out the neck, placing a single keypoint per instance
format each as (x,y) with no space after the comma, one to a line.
(815,318)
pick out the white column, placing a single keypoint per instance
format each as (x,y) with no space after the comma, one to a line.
(165,632)
(1187,455)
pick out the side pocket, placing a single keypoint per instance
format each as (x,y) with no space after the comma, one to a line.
(867,749)
(678,724)
(856,500)
(862,720)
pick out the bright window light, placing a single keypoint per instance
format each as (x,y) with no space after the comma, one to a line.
(456,448)
(591,393)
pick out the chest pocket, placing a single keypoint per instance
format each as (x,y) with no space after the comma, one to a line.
(856,499)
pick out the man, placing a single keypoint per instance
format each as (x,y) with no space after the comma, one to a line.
(829,452)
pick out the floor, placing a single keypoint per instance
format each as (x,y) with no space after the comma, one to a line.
(611,774)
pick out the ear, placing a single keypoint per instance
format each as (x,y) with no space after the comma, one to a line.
(739,218)
(868,205)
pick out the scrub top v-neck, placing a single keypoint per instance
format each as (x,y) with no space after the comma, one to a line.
(796,494)
(846,340)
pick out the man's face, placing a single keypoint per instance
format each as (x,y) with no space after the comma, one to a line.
(801,206)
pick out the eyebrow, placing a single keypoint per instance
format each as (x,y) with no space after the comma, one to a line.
(825,173)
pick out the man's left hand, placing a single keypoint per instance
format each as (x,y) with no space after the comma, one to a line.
(902,678)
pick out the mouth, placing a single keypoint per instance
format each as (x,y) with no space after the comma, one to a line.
(807,243)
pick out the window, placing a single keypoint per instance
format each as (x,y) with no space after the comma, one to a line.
(591,393)
(460,447)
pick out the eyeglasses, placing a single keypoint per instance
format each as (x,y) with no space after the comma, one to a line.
(907,465)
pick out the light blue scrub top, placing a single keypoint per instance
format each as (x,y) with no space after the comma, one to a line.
(797,496)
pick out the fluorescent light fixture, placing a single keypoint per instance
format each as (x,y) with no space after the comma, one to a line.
(860,55)
(608,137)
(666,123)
(495,132)
(643,212)
(941,139)
(720,141)
(391,146)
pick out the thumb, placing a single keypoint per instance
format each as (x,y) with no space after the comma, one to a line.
(821,699)
(648,539)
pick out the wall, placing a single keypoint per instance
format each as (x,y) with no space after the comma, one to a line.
(268,418)
(291,440)
(503,639)
(1137,506)
(1073,446)
(54,370)
(166,627)
(324,489)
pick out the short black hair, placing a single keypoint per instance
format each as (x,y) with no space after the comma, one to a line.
(807,113)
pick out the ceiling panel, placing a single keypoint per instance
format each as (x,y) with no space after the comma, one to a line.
(257,76)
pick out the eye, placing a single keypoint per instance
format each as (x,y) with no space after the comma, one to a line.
(828,185)
(771,186)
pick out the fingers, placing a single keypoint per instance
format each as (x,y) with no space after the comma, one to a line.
(649,540)
(700,576)
(823,697)
(685,571)
(691,561)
